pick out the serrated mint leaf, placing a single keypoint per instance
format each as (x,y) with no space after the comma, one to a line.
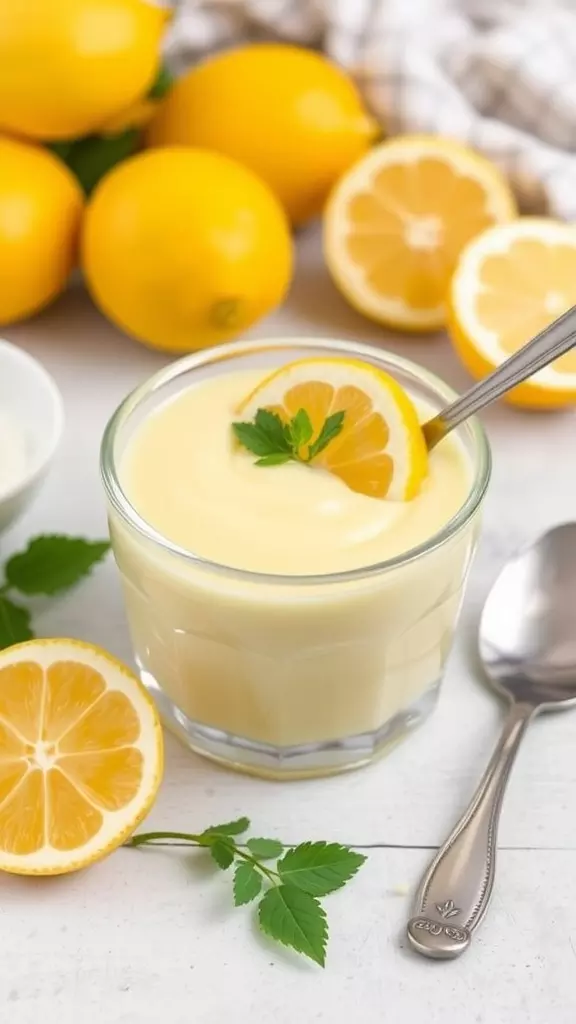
(301,428)
(330,430)
(14,623)
(247,884)
(296,919)
(229,828)
(253,439)
(319,868)
(53,562)
(276,442)
(271,425)
(265,849)
(222,853)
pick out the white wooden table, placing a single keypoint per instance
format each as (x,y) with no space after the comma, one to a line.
(152,935)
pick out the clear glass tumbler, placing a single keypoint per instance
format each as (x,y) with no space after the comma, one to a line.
(287,676)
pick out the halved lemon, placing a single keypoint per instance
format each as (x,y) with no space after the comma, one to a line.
(510,283)
(80,756)
(396,223)
(380,450)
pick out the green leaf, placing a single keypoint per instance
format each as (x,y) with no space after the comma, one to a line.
(276,442)
(14,623)
(301,428)
(295,919)
(229,828)
(222,852)
(265,849)
(330,430)
(253,439)
(162,85)
(247,884)
(60,149)
(271,425)
(92,157)
(319,868)
(53,562)
(274,460)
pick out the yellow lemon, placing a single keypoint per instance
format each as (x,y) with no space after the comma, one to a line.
(183,248)
(396,222)
(287,113)
(80,756)
(40,212)
(380,450)
(69,66)
(510,283)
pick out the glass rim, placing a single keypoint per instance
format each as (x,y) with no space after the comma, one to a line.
(132,518)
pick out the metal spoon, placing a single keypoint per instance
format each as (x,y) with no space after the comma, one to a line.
(528,648)
(556,339)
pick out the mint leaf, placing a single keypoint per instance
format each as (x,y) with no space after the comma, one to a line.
(271,425)
(252,438)
(330,430)
(53,562)
(301,428)
(274,460)
(222,853)
(229,828)
(14,623)
(247,884)
(295,919)
(276,442)
(319,868)
(265,849)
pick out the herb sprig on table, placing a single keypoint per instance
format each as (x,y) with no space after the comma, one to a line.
(276,442)
(50,564)
(289,893)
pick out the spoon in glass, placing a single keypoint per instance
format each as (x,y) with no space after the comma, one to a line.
(528,649)
(556,339)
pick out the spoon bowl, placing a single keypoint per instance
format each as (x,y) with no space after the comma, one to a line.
(528,649)
(527,629)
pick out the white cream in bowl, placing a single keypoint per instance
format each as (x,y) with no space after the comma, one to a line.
(31,424)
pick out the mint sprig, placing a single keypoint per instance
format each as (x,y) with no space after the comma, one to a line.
(48,565)
(289,908)
(276,442)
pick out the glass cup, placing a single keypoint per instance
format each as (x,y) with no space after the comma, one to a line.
(289,676)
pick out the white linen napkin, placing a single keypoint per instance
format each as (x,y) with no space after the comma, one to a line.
(498,74)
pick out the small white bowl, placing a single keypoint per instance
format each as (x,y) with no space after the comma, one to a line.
(31,418)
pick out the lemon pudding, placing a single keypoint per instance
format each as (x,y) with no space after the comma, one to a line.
(292,558)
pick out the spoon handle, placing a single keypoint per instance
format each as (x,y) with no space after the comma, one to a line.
(455,891)
(556,339)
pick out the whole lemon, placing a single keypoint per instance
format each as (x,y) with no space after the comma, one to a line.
(184,248)
(40,212)
(286,112)
(68,66)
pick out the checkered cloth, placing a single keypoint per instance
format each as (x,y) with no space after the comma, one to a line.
(498,74)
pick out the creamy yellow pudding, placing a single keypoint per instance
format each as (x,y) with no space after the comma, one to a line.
(188,478)
(258,609)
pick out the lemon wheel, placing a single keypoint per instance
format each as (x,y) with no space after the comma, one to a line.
(80,756)
(511,282)
(380,450)
(396,223)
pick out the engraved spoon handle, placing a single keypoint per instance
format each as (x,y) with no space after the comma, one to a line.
(455,891)
(556,339)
